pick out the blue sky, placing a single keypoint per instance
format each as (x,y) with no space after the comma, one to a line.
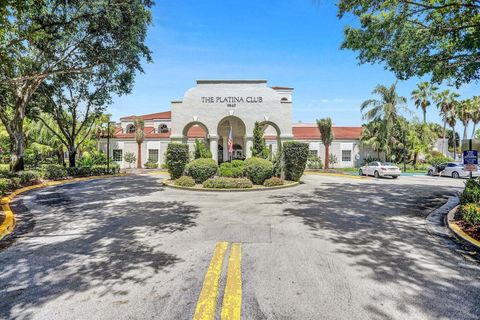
(292,43)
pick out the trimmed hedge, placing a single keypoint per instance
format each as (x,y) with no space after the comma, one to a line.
(295,155)
(232,169)
(185,181)
(228,183)
(53,171)
(471,213)
(471,193)
(257,169)
(272,182)
(176,158)
(202,169)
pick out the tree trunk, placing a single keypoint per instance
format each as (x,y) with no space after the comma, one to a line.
(72,155)
(473,131)
(454,144)
(139,156)
(444,135)
(327,156)
(18,150)
(465,131)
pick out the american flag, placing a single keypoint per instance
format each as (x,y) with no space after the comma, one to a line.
(230,142)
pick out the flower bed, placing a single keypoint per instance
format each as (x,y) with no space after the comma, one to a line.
(468,214)
(226,184)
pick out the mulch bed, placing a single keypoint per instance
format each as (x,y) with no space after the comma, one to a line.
(473,232)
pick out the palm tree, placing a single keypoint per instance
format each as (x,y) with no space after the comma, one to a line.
(446,101)
(464,114)
(422,95)
(386,109)
(371,136)
(451,120)
(475,113)
(139,137)
(326,134)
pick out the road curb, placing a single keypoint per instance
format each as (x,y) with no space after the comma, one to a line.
(8,224)
(168,185)
(455,228)
(334,175)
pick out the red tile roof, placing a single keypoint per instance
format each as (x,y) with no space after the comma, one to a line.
(311,132)
(194,132)
(152,116)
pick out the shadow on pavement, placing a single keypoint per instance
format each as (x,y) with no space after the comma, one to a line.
(112,249)
(381,228)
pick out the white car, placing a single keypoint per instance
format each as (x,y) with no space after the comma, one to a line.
(451,169)
(380,169)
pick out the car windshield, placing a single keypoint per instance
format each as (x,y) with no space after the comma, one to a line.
(387,164)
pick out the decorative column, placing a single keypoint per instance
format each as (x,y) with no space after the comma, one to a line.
(214,147)
(225,149)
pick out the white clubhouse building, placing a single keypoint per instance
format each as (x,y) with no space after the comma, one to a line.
(208,111)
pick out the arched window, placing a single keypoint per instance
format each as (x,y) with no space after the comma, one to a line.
(284,99)
(130,128)
(162,128)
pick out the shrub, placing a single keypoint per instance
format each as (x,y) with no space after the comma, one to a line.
(201,150)
(257,169)
(99,170)
(129,158)
(5,185)
(471,194)
(295,155)
(202,169)
(28,177)
(79,171)
(227,183)
(272,182)
(232,169)
(177,159)
(53,171)
(314,162)
(185,181)
(438,159)
(151,165)
(471,213)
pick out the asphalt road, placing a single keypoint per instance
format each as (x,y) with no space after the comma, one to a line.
(332,248)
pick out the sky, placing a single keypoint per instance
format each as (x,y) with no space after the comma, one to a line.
(294,43)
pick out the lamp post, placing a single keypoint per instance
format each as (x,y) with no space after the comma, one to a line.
(404,152)
(108,146)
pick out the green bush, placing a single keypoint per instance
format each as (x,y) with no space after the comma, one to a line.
(176,159)
(151,165)
(201,150)
(5,185)
(257,169)
(99,170)
(79,171)
(53,171)
(185,181)
(232,169)
(471,194)
(227,183)
(272,182)
(28,177)
(471,213)
(314,162)
(295,155)
(438,159)
(202,169)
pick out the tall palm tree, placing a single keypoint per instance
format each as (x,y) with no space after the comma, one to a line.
(451,120)
(326,134)
(464,114)
(475,113)
(446,101)
(139,137)
(386,109)
(371,137)
(422,95)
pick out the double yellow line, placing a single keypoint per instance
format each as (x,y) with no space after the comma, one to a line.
(232,298)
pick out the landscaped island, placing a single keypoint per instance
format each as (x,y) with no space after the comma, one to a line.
(468,214)
(284,169)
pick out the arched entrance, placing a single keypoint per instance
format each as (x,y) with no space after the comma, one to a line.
(234,127)
(271,134)
(195,130)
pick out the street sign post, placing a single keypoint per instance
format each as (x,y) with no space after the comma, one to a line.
(470,160)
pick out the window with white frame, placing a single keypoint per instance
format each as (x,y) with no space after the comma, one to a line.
(346,155)
(153,155)
(313,152)
(130,128)
(117,154)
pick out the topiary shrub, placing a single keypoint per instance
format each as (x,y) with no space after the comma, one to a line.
(295,155)
(471,194)
(185,181)
(176,159)
(257,169)
(53,171)
(272,182)
(227,183)
(28,177)
(471,213)
(232,169)
(202,169)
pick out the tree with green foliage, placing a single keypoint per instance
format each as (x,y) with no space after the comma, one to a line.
(415,38)
(446,101)
(475,114)
(176,158)
(44,39)
(259,148)
(326,135)
(201,150)
(139,124)
(422,96)
(130,158)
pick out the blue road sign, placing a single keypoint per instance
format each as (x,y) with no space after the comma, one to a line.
(470,157)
